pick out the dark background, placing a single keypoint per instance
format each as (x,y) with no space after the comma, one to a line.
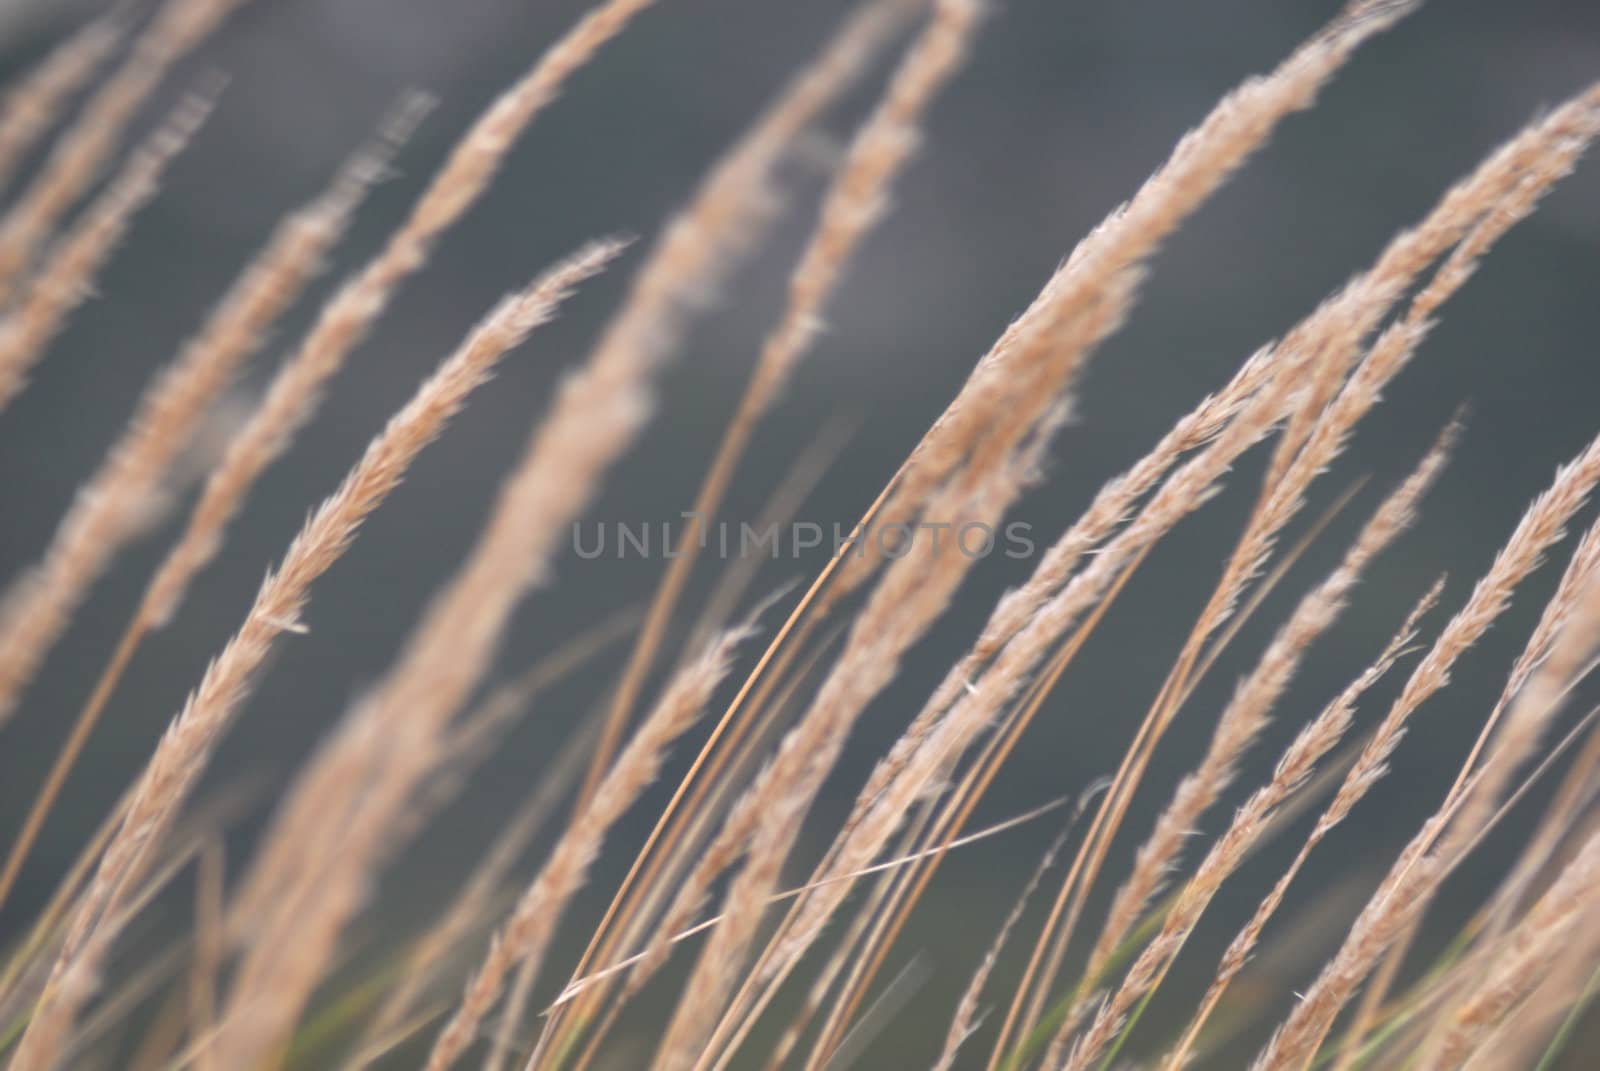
(1063,109)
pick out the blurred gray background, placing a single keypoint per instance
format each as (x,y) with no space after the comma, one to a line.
(1063,109)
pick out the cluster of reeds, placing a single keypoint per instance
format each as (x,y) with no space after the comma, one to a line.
(775,972)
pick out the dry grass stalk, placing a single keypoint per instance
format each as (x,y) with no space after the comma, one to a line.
(850,857)
(1500,193)
(1576,621)
(1523,1039)
(1561,818)
(1011,378)
(864,924)
(1324,343)
(478,731)
(1474,212)
(1249,823)
(1390,909)
(939,827)
(705,816)
(1251,705)
(860,841)
(1110,507)
(1535,945)
(731,767)
(109,510)
(890,865)
(1579,122)
(477,896)
(701,245)
(587,984)
(144,983)
(713,778)
(1572,594)
(982,498)
(184,750)
(767,818)
(21,993)
(693,256)
(725,768)
(852,850)
(856,199)
(1574,610)
(347,318)
(1555,624)
(600,408)
(966,1019)
(1077,294)
(428,687)
(527,932)
(67,277)
(770,812)
(872,929)
(1335,719)
(31,108)
(234,332)
(92,139)
(1188,488)
(1554,618)
(776,711)
(1513,745)
(730,588)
